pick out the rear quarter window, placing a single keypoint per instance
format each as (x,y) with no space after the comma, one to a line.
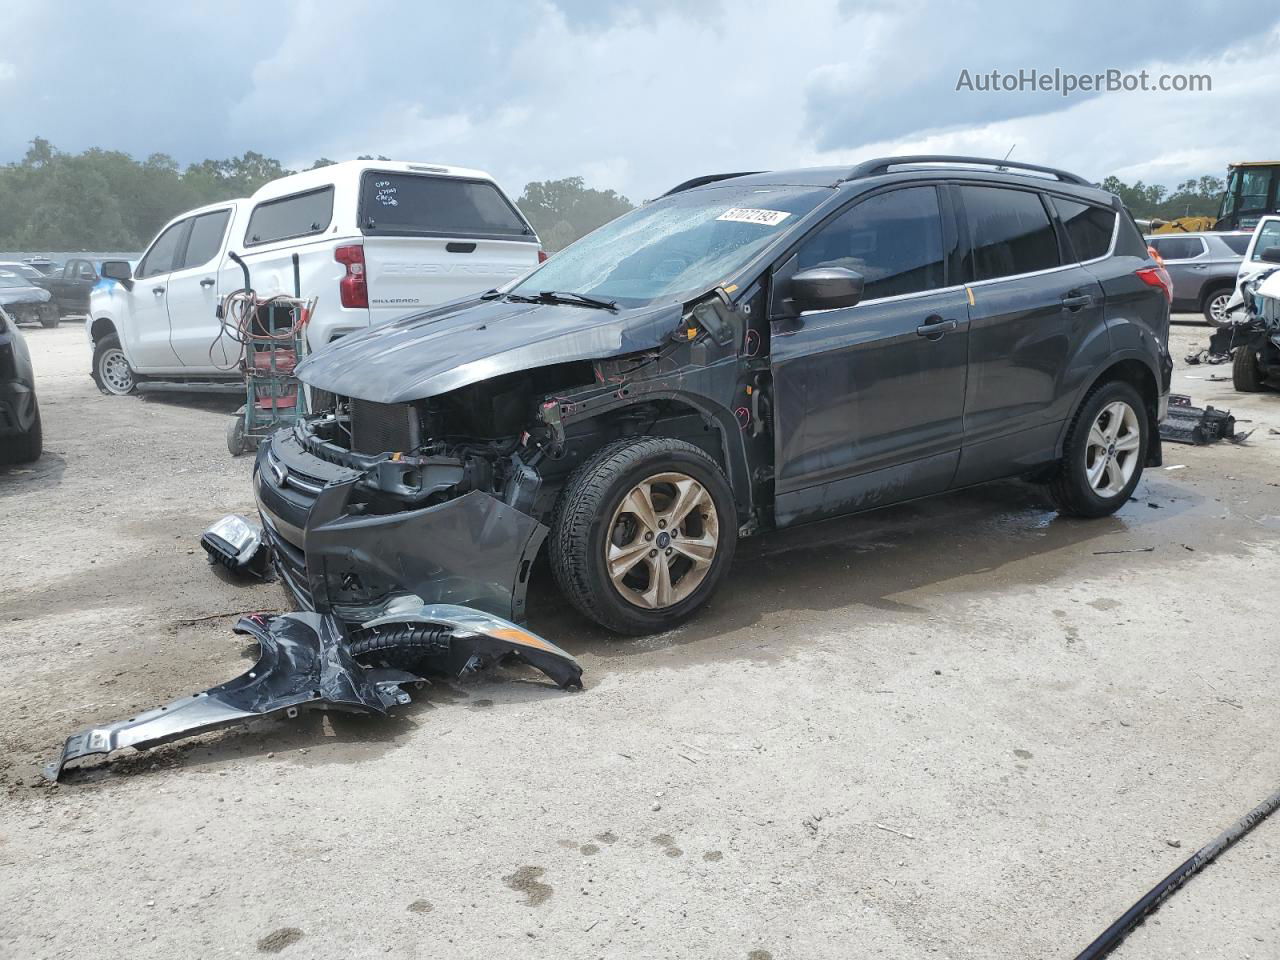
(1238,243)
(298,215)
(397,203)
(1089,228)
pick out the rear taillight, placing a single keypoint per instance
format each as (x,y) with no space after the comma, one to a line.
(1157,277)
(542,255)
(353,290)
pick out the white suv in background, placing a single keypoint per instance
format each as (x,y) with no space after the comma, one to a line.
(374,241)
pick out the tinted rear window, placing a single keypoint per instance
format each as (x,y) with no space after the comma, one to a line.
(440,206)
(1010,233)
(1238,243)
(1090,228)
(1178,248)
(295,216)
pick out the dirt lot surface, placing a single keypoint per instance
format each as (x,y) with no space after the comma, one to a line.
(957,728)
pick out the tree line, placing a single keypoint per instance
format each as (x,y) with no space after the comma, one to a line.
(107,200)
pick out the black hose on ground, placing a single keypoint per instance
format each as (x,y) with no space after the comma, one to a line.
(404,640)
(1162,891)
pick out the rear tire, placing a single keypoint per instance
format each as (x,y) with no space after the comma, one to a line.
(643,534)
(1246,376)
(1104,453)
(25,447)
(1215,306)
(50,321)
(111,370)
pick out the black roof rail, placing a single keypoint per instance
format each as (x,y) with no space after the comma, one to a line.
(871,168)
(703,181)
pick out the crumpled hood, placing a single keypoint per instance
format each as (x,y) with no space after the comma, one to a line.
(459,343)
(32,294)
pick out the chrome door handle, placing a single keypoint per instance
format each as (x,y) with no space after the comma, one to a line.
(935,327)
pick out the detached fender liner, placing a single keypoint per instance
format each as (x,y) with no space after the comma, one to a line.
(303,664)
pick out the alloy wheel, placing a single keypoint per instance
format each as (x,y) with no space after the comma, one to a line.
(662,540)
(1218,307)
(1111,454)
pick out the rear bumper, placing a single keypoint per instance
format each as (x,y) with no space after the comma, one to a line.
(334,556)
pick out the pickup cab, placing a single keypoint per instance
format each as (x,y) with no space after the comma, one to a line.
(71,286)
(374,240)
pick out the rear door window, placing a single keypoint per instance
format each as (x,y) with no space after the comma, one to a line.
(1009,232)
(402,203)
(205,241)
(1090,228)
(1178,248)
(893,239)
(159,259)
(298,215)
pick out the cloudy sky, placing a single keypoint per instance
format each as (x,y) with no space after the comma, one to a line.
(638,96)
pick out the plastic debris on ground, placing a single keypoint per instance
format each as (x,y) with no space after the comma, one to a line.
(1198,426)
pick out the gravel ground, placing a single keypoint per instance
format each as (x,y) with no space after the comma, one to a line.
(950,729)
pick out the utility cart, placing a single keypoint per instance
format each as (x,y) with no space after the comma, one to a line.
(272,333)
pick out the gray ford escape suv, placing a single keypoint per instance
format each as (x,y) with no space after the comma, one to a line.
(748,351)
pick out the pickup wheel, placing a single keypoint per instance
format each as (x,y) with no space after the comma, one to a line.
(111,370)
(643,534)
(1246,376)
(1104,452)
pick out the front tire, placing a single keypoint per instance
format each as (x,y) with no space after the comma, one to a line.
(1104,453)
(111,370)
(643,534)
(1246,376)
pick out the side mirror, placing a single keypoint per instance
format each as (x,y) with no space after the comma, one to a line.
(826,288)
(117,270)
(1270,255)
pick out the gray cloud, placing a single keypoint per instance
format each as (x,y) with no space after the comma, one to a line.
(906,83)
(636,96)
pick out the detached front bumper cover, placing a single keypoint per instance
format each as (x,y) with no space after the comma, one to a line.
(307,662)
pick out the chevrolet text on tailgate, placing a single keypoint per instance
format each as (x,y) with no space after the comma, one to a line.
(373,240)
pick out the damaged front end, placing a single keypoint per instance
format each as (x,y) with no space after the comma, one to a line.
(310,661)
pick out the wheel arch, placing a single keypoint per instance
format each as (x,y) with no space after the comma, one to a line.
(1137,371)
(101,327)
(1214,287)
(729,451)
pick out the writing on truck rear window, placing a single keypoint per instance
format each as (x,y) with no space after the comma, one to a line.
(298,215)
(405,203)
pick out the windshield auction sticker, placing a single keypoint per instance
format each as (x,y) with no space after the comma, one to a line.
(767,218)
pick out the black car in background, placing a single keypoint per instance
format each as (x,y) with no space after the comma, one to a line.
(746,352)
(25,302)
(20,433)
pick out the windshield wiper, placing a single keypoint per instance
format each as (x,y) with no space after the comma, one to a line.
(559,296)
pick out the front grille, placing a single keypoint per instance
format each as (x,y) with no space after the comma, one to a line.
(291,565)
(381,427)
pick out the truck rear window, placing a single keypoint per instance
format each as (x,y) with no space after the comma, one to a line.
(294,216)
(404,203)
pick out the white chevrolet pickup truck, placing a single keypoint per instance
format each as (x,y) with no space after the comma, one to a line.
(375,240)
